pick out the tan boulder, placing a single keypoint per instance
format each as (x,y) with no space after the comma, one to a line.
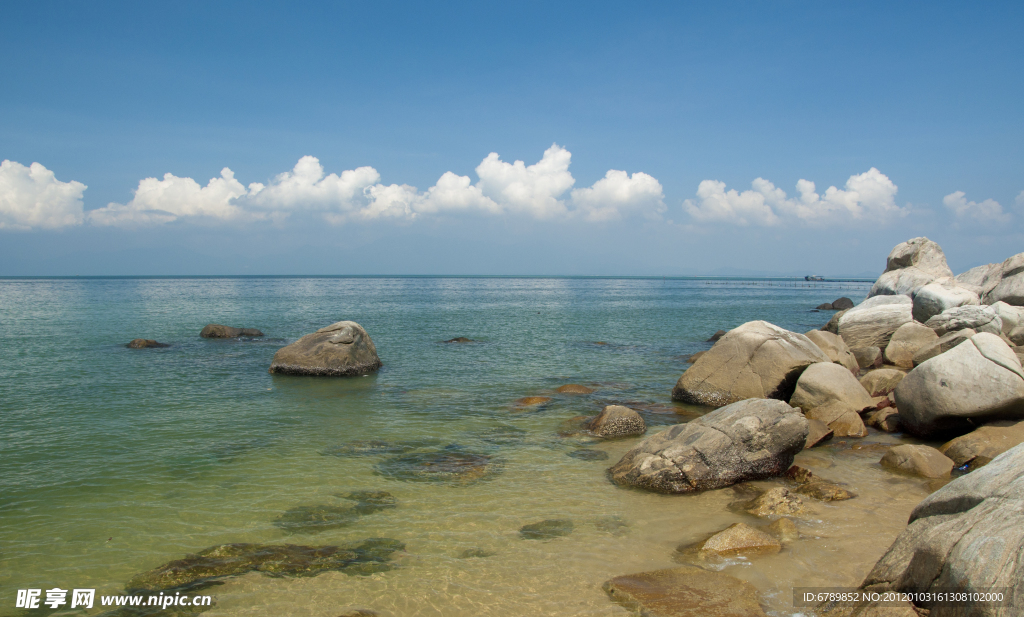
(340,349)
(881,382)
(831,394)
(573,388)
(873,322)
(755,360)
(686,591)
(917,460)
(617,421)
(834,347)
(735,539)
(988,441)
(941,345)
(867,357)
(824,490)
(775,501)
(784,529)
(887,420)
(907,341)
(817,432)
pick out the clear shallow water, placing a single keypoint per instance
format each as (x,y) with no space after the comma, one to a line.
(114,461)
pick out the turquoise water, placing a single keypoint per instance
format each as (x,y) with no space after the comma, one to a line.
(116,460)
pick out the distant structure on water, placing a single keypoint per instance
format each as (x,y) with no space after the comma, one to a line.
(814,277)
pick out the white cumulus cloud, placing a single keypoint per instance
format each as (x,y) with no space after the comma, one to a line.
(988,211)
(33,198)
(1020,200)
(869,196)
(537,191)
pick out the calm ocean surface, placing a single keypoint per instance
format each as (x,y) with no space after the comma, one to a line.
(114,461)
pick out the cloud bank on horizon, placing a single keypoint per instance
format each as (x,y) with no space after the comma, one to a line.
(33,198)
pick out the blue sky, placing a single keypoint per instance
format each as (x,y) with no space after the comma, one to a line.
(655,139)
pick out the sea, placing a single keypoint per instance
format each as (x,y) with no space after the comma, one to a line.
(115,461)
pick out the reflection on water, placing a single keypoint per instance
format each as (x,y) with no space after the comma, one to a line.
(117,461)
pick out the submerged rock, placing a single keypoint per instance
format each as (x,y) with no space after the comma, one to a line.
(532,401)
(748,440)
(613,524)
(376,447)
(476,553)
(573,388)
(144,343)
(503,435)
(451,465)
(823,490)
(686,591)
(546,530)
(755,360)
(218,562)
(588,454)
(918,461)
(459,339)
(215,330)
(774,502)
(341,349)
(313,519)
(785,530)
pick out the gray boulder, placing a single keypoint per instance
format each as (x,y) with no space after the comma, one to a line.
(1013,321)
(980,379)
(981,279)
(940,295)
(340,349)
(867,357)
(834,347)
(942,345)
(831,394)
(749,440)
(966,536)
(215,330)
(755,360)
(617,421)
(873,322)
(910,266)
(907,341)
(977,318)
(1010,288)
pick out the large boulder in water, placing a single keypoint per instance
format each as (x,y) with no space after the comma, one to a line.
(755,360)
(749,440)
(940,295)
(967,536)
(834,347)
(910,266)
(873,322)
(831,394)
(977,318)
(215,330)
(980,379)
(342,348)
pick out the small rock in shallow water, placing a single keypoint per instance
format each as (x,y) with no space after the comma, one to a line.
(717,335)
(144,343)
(532,401)
(613,524)
(369,502)
(827,306)
(824,490)
(617,421)
(361,612)
(450,465)
(546,530)
(474,553)
(784,529)
(214,330)
(735,539)
(311,519)
(587,454)
(775,501)
(573,388)
(685,591)
(918,460)
(372,447)
(459,339)
(503,435)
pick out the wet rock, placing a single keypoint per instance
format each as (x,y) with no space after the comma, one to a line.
(695,357)
(817,432)
(312,519)
(215,330)
(451,465)
(459,339)
(775,501)
(717,335)
(784,529)
(823,490)
(574,388)
(833,324)
(965,535)
(939,296)
(979,380)
(749,440)
(685,591)
(886,420)
(907,341)
(361,612)
(546,530)
(943,344)
(977,318)
(922,461)
(737,539)
(842,304)
(881,382)
(617,421)
(988,441)
(829,393)
(834,347)
(910,266)
(799,474)
(476,553)
(503,435)
(827,306)
(376,447)
(532,401)
(867,357)
(873,322)
(144,343)
(218,562)
(755,360)
(341,349)
(613,524)
(588,454)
